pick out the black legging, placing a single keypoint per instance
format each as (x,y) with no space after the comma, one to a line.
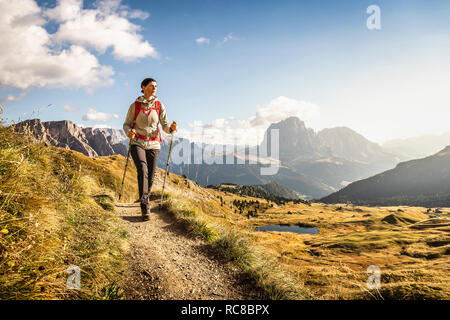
(145,162)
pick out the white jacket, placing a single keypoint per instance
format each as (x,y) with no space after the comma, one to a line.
(147,125)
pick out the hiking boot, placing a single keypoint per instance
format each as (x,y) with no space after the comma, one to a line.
(145,211)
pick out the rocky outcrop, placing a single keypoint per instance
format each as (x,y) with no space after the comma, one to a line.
(116,135)
(297,142)
(66,134)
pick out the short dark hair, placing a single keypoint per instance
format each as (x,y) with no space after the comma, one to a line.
(145,82)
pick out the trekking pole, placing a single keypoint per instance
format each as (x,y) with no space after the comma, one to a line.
(125,171)
(167,169)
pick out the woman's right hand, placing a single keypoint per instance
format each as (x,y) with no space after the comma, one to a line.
(131,134)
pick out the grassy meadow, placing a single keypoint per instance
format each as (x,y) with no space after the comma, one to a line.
(410,245)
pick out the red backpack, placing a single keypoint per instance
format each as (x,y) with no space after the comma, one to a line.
(137,109)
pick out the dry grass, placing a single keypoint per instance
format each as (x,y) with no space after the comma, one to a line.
(234,245)
(333,264)
(55,211)
(411,250)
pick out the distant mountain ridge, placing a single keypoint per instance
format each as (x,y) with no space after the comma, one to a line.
(419,182)
(91,142)
(301,143)
(417,147)
(313,164)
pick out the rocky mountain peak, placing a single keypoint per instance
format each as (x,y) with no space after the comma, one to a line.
(297,142)
(66,134)
(444,152)
(294,138)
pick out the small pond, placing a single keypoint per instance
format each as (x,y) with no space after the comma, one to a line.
(289,228)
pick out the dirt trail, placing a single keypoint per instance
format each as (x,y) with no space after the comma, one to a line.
(166,262)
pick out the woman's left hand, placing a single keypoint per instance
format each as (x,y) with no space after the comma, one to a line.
(173,126)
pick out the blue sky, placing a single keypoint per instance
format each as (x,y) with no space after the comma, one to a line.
(265,60)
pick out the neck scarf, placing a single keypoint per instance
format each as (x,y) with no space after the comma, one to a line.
(150,103)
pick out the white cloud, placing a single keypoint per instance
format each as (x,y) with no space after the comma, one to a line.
(100,28)
(31,57)
(137,14)
(70,109)
(227,38)
(281,108)
(101,126)
(11,98)
(250,131)
(202,40)
(112,6)
(28,57)
(217,123)
(65,10)
(94,115)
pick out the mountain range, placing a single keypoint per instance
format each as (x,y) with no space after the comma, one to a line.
(313,164)
(89,141)
(419,182)
(417,147)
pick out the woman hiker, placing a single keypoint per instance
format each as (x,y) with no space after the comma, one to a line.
(141,126)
